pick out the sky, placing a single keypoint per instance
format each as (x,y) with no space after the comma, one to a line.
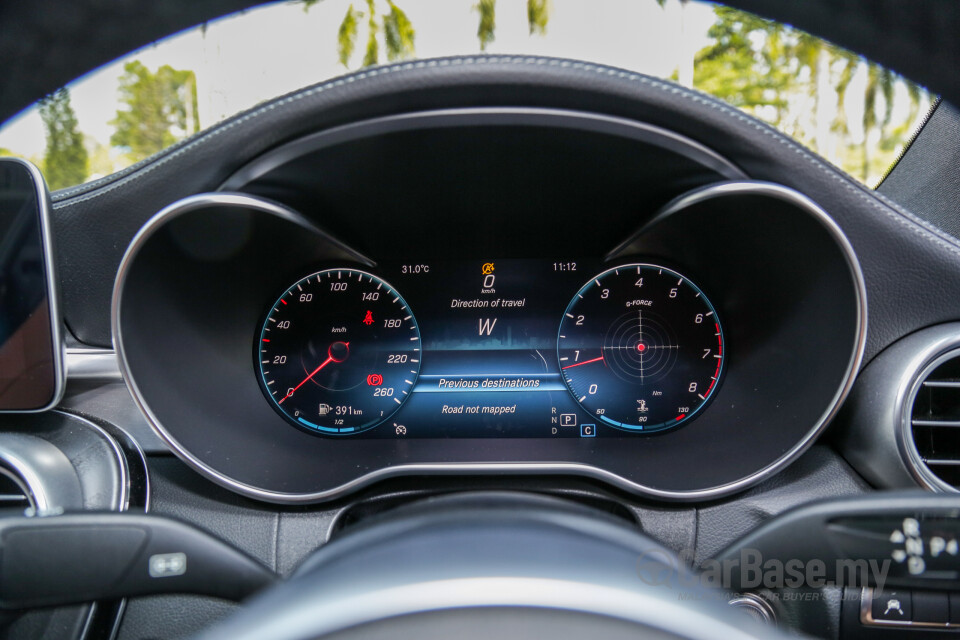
(265,52)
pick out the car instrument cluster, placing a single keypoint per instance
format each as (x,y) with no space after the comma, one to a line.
(504,348)
(538,292)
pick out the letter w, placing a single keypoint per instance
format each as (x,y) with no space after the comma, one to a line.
(487,325)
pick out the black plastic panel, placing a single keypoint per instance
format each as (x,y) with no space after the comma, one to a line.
(530,183)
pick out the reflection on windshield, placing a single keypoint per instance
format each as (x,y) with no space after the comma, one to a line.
(856,114)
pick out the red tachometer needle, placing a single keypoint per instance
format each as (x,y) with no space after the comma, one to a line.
(329,359)
(570,366)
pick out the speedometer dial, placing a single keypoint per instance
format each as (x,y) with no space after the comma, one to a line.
(339,352)
(641,348)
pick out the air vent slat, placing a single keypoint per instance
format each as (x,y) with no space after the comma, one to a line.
(933,462)
(935,421)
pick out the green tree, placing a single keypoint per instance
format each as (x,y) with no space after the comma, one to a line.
(487,26)
(761,66)
(538,15)
(880,81)
(745,65)
(156,109)
(878,99)
(347,36)
(102,160)
(397,31)
(65,161)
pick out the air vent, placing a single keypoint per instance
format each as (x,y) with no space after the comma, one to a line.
(13,494)
(935,423)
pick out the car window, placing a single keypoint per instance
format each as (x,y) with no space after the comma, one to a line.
(855,113)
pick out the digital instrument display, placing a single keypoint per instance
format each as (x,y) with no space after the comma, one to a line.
(499,348)
(31,377)
(640,347)
(354,366)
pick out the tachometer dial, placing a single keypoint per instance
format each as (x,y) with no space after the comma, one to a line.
(641,348)
(339,352)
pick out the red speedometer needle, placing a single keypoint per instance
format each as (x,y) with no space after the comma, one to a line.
(330,358)
(570,366)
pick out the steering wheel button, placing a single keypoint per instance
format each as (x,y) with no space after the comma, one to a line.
(954,608)
(931,606)
(895,606)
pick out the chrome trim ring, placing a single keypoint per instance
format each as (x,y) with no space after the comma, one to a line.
(918,369)
(45,472)
(755,606)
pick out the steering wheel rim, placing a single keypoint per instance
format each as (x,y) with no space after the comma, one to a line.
(464,555)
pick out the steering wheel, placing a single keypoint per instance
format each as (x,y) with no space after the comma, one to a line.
(481,565)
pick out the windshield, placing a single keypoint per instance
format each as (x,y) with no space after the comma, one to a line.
(856,114)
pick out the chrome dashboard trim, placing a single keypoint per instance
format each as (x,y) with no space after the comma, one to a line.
(32,501)
(122,502)
(47,475)
(589,471)
(129,446)
(92,364)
